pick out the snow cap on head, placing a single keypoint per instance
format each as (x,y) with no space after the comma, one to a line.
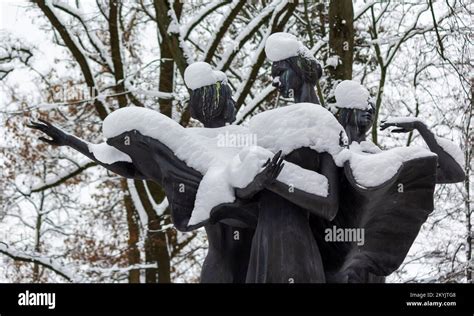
(200,74)
(352,95)
(280,46)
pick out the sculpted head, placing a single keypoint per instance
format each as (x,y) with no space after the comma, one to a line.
(294,69)
(356,109)
(211,98)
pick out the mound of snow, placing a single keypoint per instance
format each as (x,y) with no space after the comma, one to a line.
(201,74)
(352,95)
(225,168)
(452,149)
(371,167)
(280,46)
(296,126)
(402,119)
(107,154)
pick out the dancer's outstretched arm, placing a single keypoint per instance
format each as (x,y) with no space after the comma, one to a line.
(60,138)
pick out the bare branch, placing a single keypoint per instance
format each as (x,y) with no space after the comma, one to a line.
(37,259)
(75,51)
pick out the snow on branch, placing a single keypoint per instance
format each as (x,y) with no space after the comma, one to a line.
(137,203)
(159,208)
(12,51)
(173,36)
(201,15)
(319,45)
(176,29)
(245,35)
(38,259)
(222,28)
(254,103)
(364,9)
(395,41)
(60,178)
(94,40)
(259,56)
(105,272)
(102,96)
(76,50)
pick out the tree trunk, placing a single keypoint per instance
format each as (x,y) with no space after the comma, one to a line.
(156,245)
(467,187)
(36,267)
(341,38)
(132,216)
(133,253)
(166,78)
(378,104)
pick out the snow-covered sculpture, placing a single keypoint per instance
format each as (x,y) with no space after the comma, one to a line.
(284,190)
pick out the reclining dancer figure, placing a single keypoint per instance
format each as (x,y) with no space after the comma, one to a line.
(145,157)
(227,258)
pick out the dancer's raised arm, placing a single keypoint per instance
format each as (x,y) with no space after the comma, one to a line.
(449,171)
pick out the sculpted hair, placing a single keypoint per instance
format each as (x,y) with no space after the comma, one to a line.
(210,102)
(307,69)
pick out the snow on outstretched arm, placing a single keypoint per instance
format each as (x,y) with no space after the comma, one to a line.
(107,154)
(451,149)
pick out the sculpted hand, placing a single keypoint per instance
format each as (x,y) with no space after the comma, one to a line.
(403,126)
(57,136)
(272,169)
(343,141)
